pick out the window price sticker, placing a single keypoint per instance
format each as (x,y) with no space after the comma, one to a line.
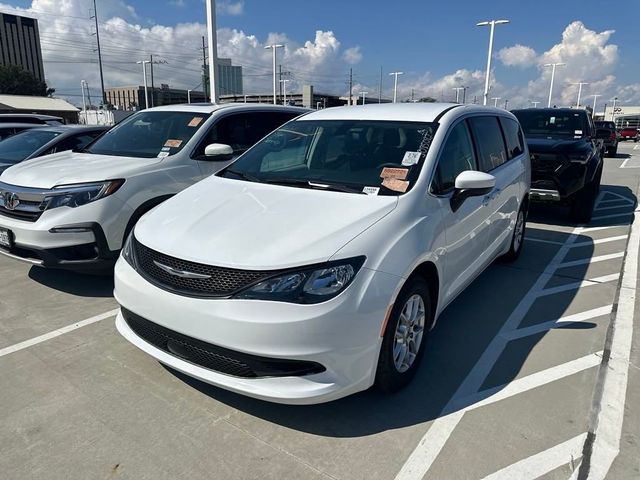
(397,173)
(410,158)
(371,190)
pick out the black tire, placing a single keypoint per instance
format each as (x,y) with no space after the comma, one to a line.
(517,240)
(388,377)
(584,201)
(614,152)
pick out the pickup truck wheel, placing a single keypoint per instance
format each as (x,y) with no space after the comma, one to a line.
(404,339)
(517,240)
(613,152)
(584,201)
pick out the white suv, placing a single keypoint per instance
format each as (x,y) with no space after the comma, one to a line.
(74,209)
(314,266)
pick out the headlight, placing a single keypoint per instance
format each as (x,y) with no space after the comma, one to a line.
(311,285)
(580,158)
(79,194)
(127,250)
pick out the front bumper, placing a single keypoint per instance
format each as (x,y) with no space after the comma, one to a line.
(342,335)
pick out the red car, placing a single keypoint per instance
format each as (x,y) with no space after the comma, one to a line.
(629,134)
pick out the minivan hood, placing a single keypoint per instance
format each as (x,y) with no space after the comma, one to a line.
(254,226)
(71,167)
(556,145)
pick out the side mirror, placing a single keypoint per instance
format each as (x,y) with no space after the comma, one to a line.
(603,134)
(471,184)
(218,152)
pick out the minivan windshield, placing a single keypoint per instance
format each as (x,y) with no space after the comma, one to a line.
(19,146)
(354,156)
(551,123)
(149,134)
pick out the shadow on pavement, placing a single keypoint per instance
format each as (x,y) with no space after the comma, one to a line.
(462,334)
(78,284)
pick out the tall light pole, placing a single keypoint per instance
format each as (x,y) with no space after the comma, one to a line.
(613,112)
(274,48)
(495,101)
(212,38)
(492,24)
(189,96)
(595,97)
(553,75)
(364,97)
(395,85)
(284,90)
(580,84)
(144,76)
(457,89)
(84,103)
(535,104)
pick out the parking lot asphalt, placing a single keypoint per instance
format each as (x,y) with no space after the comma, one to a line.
(525,376)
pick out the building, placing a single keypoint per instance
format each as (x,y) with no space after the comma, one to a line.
(20,44)
(623,115)
(41,105)
(229,78)
(133,98)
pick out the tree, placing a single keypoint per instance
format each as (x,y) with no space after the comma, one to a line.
(16,81)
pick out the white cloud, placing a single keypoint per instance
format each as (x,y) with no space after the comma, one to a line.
(518,56)
(177,3)
(230,8)
(352,55)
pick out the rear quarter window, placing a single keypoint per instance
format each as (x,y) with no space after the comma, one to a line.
(513,137)
(489,142)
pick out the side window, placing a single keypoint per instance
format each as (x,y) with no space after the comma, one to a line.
(513,136)
(75,141)
(456,157)
(489,141)
(242,130)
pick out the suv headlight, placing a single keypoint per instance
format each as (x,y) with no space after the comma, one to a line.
(79,194)
(310,285)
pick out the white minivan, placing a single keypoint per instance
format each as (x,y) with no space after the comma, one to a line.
(314,265)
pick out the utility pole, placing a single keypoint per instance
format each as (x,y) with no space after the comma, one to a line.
(212,37)
(380,87)
(506,102)
(153,90)
(487,80)
(204,69)
(95,17)
(84,102)
(613,113)
(395,85)
(280,78)
(88,94)
(413,96)
(274,47)
(350,86)
(553,75)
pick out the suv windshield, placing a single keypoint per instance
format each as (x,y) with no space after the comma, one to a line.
(149,134)
(551,123)
(18,147)
(352,156)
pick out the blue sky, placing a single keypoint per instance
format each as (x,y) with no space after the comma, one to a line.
(436,44)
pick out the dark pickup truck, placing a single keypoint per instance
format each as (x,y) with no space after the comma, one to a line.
(566,157)
(611,143)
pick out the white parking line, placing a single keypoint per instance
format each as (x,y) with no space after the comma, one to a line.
(569,319)
(590,260)
(56,333)
(615,370)
(543,462)
(613,207)
(576,285)
(599,241)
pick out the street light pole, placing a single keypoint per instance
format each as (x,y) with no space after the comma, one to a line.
(580,84)
(212,39)
(364,97)
(613,112)
(144,76)
(284,91)
(495,101)
(395,85)
(535,104)
(595,97)
(84,103)
(274,47)
(189,96)
(457,89)
(492,24)
(553,75)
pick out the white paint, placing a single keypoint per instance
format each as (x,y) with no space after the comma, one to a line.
(613,207)
(590,260)
(543,462)
(622,197)
(608,430)
(544,326)
(539,240)
(613,215)
(576,285)
(56,333)
(599,240)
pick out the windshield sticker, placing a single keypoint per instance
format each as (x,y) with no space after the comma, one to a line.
(396,173)
(410,158)
(173,143)
(371,190)
(427,138)
(195,121)
(578,132)
(163,154)
(552,120)
(165,149)
(395,184)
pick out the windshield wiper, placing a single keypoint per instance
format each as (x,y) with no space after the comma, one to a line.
(243,175)
(302,182)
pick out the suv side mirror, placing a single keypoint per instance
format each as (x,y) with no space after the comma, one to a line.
(603,133)
(218,152)
(471,184)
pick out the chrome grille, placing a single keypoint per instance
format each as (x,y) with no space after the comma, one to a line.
(221,282)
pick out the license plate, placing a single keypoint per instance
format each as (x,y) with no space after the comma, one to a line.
(6,238)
